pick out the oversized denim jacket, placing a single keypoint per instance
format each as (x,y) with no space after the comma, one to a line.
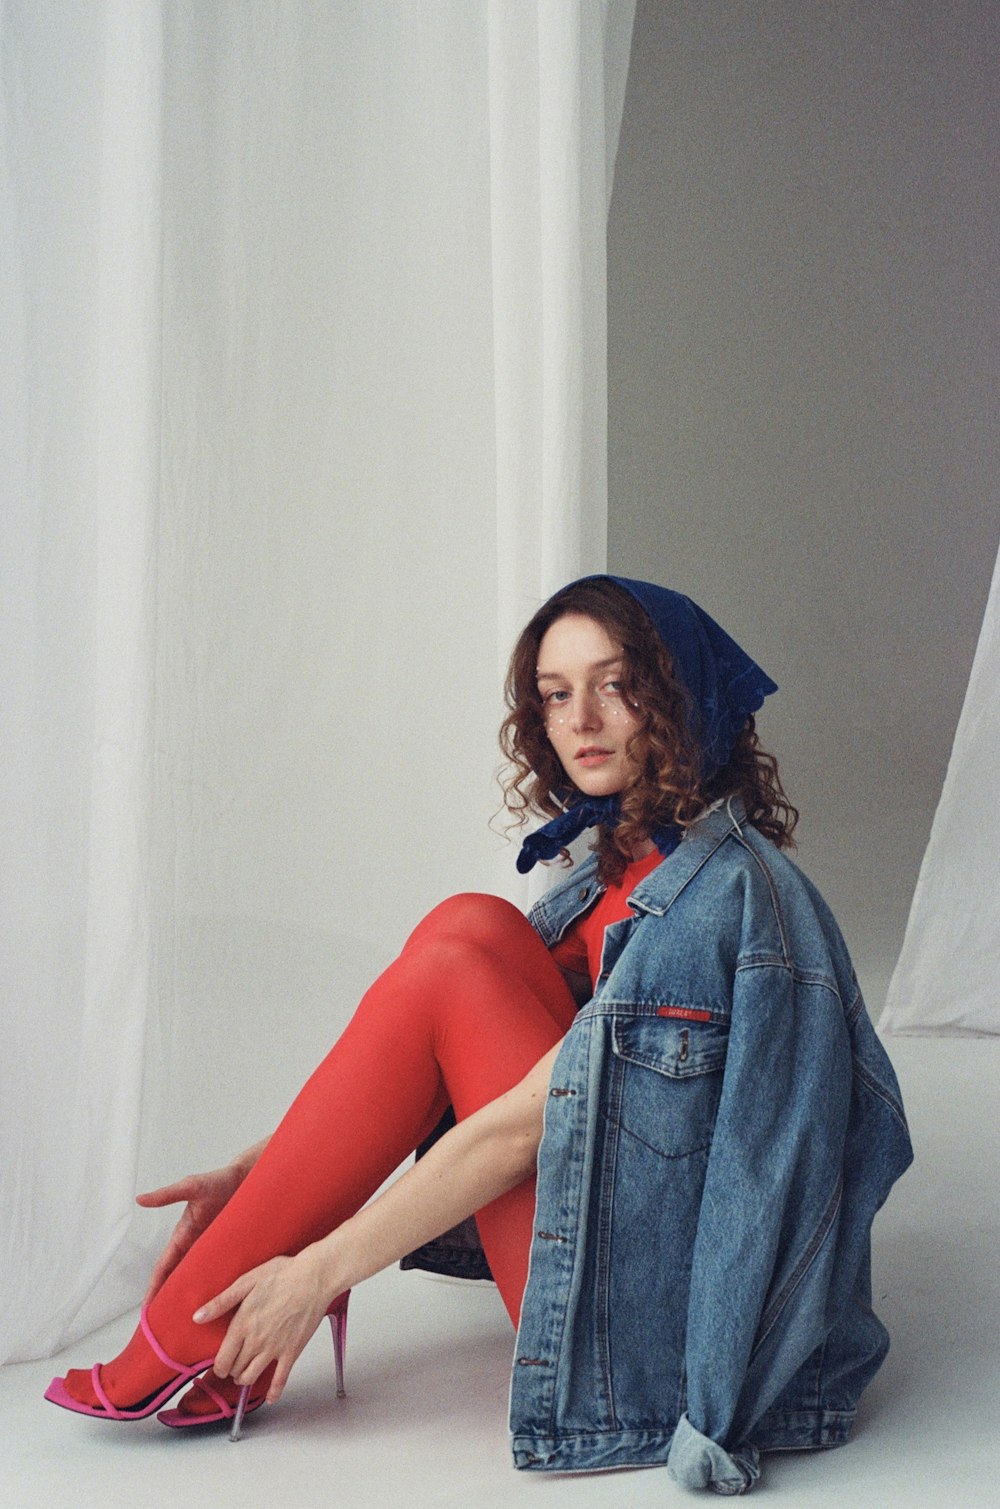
(721,1126)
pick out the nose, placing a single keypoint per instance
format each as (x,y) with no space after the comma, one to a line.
(586,713)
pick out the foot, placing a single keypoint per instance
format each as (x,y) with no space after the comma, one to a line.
(135,1378)
(131,1378)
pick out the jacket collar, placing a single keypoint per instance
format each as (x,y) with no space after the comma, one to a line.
(660,889)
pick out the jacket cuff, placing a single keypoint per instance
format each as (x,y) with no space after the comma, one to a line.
(696,1461)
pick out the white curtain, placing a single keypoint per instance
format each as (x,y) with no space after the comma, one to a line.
(303,410)
(948,975)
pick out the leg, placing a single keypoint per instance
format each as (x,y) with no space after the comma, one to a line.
(473,1001)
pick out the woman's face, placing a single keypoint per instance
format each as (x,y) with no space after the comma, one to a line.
(587,719)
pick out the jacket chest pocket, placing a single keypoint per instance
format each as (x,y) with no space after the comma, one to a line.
(668,1081)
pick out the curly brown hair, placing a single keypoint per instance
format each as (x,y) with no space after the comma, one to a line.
(670,787)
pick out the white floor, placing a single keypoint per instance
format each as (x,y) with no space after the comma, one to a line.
(424,1423)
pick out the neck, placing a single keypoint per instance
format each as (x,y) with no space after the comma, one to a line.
(643,850)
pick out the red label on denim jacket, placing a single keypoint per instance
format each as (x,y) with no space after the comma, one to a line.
(685,1013)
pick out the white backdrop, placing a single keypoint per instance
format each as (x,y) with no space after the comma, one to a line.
(303,409)
(947,976)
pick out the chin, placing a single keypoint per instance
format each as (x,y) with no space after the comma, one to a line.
(607,786)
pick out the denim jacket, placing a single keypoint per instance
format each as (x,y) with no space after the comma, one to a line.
(721,1126)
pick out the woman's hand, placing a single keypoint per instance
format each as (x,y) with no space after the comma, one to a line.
(280,1304)
(205,1194)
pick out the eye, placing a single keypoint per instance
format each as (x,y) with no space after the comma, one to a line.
(558,696)
(614,688)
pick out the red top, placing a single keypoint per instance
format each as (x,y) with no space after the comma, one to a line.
(580,948)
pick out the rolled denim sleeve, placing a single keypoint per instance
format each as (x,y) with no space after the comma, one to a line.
(696,1461)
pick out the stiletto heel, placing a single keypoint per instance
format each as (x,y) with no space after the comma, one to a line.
(241,1409)
(57,1392)
(180,1419)
(337,1315)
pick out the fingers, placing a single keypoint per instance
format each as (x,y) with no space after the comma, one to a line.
(171,1194)
(187,1230)
(281,1372)
(205,1195)
(248,1368)
(226,1301)
(239,1357)
(164,1265)
(233,1357)
(181,1239)
(249,1364)
(268,1326)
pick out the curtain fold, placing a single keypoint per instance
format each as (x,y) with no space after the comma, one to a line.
(81,189)
(945,980)
(557,88)
(304,411)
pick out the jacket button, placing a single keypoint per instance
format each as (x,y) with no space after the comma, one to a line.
(584,893)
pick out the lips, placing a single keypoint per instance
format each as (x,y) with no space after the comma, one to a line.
(592,755)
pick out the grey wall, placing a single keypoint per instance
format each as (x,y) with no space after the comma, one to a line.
(803,363)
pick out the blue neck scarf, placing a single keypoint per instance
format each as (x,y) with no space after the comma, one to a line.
(725,686)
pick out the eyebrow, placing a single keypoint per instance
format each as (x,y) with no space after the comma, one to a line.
(599,665)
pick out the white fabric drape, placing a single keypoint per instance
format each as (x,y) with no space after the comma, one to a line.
(557,85)
(81,240)
(302,411)
(946,979)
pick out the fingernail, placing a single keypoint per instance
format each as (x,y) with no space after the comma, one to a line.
(198,1316)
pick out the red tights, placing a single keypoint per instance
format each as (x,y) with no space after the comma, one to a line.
(471,1004)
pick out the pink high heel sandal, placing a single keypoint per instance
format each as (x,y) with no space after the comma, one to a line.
(179,1419)
(57,1392)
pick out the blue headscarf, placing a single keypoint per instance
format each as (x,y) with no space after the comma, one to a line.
(725,686)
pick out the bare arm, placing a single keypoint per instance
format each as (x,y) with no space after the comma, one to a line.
(282,1302)
(478,1160)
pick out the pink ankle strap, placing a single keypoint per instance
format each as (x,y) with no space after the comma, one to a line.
(175,1367)
(219,1400)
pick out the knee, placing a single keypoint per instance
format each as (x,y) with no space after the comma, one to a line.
(474,918)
